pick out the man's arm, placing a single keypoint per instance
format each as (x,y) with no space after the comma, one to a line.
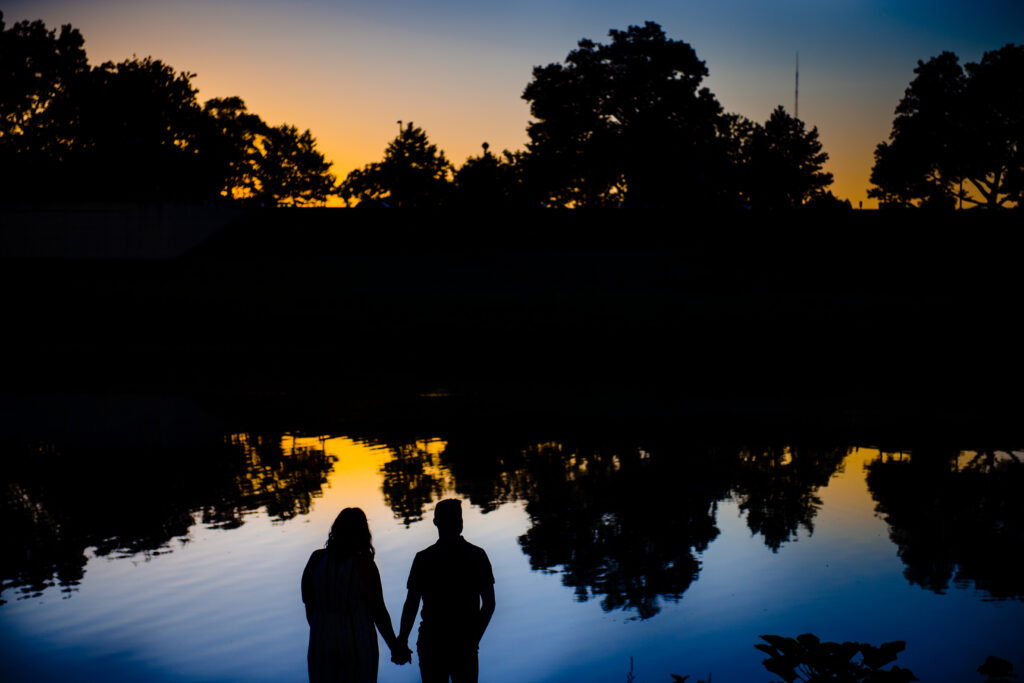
(409,610)
(486,608)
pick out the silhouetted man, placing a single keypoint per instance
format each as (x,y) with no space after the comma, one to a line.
(453,578)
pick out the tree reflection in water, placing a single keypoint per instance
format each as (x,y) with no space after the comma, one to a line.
(624,524)
(412,480)
(59,502)
(955,518)
(619,522)
(777,488)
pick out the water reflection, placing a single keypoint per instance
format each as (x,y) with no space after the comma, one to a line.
(777,489)
(62,503)
(619,523)
(957,518)
(622,524)
(412,479)
(626,525)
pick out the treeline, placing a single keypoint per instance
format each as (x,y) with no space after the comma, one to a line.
(958,135)
(620,124)
(135,131)
(625,123)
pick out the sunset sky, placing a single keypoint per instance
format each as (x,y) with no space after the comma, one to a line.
(350,69)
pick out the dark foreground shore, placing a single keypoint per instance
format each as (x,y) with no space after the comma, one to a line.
(889,317)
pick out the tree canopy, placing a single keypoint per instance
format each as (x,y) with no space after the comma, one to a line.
(229,138)
(413,174)
(624,121)
(784,163)
(628,123)
(957,134)
(491,181)
(36,65)
(290,170)
(134,130)
(128,130)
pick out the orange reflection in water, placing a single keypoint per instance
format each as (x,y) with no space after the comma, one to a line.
(356,480)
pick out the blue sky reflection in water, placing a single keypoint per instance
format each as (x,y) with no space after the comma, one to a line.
(222,604)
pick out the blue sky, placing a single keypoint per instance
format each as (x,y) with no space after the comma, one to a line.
(349,70)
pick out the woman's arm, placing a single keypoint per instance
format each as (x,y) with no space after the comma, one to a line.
(375,597)
(307,587)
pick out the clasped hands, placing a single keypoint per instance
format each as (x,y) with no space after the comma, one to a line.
(401,653)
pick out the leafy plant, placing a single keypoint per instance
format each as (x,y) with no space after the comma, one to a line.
(807,658)
(997,670)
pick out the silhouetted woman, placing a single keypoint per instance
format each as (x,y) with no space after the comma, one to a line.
(343,597)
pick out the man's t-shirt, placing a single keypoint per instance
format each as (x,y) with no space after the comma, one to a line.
(450,575)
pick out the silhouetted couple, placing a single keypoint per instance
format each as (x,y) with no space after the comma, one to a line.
(344,602)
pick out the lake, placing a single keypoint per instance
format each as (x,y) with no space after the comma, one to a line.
(162,545)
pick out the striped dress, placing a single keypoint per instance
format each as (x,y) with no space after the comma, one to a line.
(342,635)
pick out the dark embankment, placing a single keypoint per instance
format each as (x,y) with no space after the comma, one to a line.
(591,313)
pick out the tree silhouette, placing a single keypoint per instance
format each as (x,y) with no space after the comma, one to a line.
(36,66)
(413,174)
(622,526)
(115,131)
(290,170)
(625,121)
(134,131)
(954,524)
(900,177)
(778,489)
(411,481)
(784,163)
(957,126)
(618,523)
(55,502)
(994,158)
(490,181)
(228,143)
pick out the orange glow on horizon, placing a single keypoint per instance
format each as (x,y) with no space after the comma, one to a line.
(349,71)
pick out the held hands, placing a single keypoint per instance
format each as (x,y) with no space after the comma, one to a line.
(400,653)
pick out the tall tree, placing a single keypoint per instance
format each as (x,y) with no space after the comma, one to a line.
(413,174)
(37,67)
(133,128)
(994,102)
(900,176)
(228,144)
(784,163)
(290,170)
(957,134)
(625,121)
(134,131)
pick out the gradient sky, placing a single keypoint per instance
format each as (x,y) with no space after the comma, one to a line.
(349,69)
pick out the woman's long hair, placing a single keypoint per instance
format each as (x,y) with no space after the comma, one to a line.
(350,534)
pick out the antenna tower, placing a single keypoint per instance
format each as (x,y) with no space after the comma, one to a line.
(796,89)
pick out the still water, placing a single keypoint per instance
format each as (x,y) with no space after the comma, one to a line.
(181,562)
